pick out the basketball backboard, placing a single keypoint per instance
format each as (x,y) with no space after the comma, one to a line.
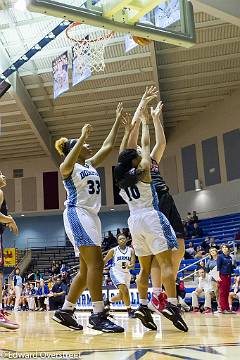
(168,21)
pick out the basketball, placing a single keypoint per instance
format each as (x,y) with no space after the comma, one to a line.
(141,41)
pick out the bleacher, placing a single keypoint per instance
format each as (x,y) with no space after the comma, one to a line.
(222,228)
(42,258)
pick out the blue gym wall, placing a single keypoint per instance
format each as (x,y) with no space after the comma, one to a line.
(37,231)
(47,231)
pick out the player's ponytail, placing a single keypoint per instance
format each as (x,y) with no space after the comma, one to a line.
(64,145)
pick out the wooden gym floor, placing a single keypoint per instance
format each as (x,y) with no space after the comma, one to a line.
(209,337)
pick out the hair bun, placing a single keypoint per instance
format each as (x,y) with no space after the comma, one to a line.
(60,144)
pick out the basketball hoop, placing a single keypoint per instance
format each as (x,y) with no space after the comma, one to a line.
(88,46)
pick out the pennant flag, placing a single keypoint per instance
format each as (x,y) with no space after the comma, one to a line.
(60,74)
(79,70)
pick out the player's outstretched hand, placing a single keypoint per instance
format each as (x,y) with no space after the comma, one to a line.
(150,94)
(86,130)
(155,113)
(127,122)
(12,226)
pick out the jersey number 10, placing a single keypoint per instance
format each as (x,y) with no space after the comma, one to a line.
(132,192)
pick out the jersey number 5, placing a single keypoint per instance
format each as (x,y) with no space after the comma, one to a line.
(133,192)
(91,187)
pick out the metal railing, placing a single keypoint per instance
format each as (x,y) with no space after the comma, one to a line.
(234,253)
(42,242)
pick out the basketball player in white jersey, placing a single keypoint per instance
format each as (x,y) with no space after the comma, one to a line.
(82,224)
(123,261)
(152,234)
(166,202)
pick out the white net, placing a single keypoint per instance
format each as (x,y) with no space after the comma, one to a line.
(88,47)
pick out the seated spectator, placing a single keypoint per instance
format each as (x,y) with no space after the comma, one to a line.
(181,293)
(63,268)
(57,295)
(112,241)
(118,231)
(189,217)
(190,250)
(42,293)
(10,302)
(237,235)
(31,292)
(213,244)
(205,245)
(194,217)
(133,279)
(38,276)
(211,269)
(197,232)
(23,299)
(199,254)
(204,286)
(235,293)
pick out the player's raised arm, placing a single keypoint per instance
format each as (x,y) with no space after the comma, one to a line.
(108,144)
(160,145)
(108,256)
(145,143)
(149,95)
(129,126)
(67,166)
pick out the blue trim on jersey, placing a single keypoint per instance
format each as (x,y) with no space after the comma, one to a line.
(167,231)
(72,191)
(80,236)
(115,281)
(155,201)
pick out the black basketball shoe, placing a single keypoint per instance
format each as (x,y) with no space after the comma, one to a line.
(173,313)
(101,322)
(144,314)
(67,318)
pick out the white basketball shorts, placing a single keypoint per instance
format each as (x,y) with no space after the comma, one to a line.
(120,277)
(151,232)
(82,228)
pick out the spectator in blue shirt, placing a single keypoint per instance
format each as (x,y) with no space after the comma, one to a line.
(225,268)
(58,293)
(41,291)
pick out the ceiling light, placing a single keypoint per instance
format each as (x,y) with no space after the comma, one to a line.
(22,215)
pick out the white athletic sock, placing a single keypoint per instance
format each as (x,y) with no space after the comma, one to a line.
(68,305)
(157,291)
(143,302)
(1,307)
(98,307)
(172,301)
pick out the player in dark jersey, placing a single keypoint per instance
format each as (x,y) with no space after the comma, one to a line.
(166,203)
(6,221)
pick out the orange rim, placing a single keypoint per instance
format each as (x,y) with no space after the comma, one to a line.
(99,38)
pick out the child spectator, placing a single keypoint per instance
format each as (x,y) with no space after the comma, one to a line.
(41,292)
(204,285)
(17,280)
(235,294)
(211,269)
